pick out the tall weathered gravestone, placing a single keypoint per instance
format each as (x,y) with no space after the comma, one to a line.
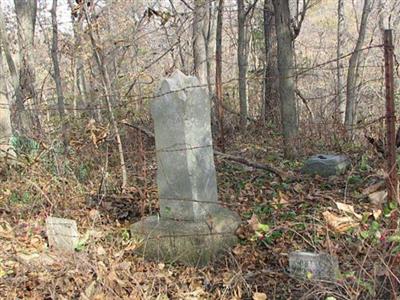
(192,228)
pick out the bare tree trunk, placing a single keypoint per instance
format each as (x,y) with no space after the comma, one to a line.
(17,105)
(80,78)
(210,36)
(242,64)
(218,74)
(5,121)
(352,74)
(109,94)
(286,77)
(340,104)
(26,11)
(268,15)
(200,24)
(57,74)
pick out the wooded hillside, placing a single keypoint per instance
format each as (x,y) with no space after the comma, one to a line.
(242,131)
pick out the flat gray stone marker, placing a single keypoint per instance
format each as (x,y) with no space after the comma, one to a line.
(62,233)
(326,165)
(313,266)
(192,228)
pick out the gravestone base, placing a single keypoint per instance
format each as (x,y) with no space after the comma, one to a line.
(193,243)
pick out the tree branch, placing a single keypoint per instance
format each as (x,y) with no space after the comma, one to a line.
(281,174)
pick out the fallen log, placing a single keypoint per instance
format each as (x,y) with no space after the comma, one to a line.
(281,174)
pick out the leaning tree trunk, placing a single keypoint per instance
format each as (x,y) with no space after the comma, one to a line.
(109,94)
(26,11)
(57,74)
(340,106)
(352,74)
(242,64)
(286,77)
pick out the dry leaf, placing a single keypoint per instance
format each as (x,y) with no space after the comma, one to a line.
(373,188)
(378,198)
(6,230)
(113,277)
(227,278)
(94,214)
(89,291)
(339,224)
(101,251)
(376,213)
(239,250)
(348,209)
(254,222)
(283,198)
(259,296)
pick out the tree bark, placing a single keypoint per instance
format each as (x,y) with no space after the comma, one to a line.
(5,114)
(242,64)
(200,23)
(218,75)
(268,16)
(286,77)
(18,113)
(352,75)
(57,75)
(26,11)
(210,37)
(340,104)
(80,85)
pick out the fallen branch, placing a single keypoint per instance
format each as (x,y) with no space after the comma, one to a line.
(140,128)
(256,165)
(282,175)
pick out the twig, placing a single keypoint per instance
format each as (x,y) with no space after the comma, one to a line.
(40,191)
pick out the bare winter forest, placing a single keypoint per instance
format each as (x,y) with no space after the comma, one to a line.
(199,149)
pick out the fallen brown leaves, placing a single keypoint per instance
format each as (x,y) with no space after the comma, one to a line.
(304,214)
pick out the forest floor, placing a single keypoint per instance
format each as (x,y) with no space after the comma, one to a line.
(84,187)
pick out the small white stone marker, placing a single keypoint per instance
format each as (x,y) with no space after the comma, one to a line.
(62,234)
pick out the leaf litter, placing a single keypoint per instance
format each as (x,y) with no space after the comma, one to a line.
(313,214)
